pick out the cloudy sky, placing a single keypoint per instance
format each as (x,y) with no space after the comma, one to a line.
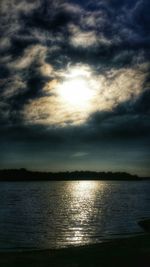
(74,78)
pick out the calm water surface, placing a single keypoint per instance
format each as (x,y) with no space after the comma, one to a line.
(59,214)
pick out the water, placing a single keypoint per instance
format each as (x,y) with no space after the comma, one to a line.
(60,214)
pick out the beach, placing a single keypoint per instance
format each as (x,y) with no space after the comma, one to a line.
(125,252)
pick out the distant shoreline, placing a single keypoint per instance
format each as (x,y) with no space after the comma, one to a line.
(26,175)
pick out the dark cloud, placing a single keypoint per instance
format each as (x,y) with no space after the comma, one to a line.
(141,16)
(5,72)
(129,120)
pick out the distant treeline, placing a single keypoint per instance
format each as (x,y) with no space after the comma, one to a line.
(25,175)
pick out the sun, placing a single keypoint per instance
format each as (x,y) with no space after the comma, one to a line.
(75,90)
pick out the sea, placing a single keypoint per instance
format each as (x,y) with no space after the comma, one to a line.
(56,214)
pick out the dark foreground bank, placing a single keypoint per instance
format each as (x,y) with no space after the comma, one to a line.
(133,251)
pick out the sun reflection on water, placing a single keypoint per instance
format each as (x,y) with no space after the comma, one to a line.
(82,187)
(83,210)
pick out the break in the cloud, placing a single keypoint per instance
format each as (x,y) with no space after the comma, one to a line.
(48,48)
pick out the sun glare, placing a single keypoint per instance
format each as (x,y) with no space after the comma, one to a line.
(75,90)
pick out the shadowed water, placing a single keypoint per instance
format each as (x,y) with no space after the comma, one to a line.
(58,214)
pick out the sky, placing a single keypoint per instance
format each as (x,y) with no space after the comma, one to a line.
(75,87)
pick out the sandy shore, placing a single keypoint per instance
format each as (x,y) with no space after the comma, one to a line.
(133,251)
